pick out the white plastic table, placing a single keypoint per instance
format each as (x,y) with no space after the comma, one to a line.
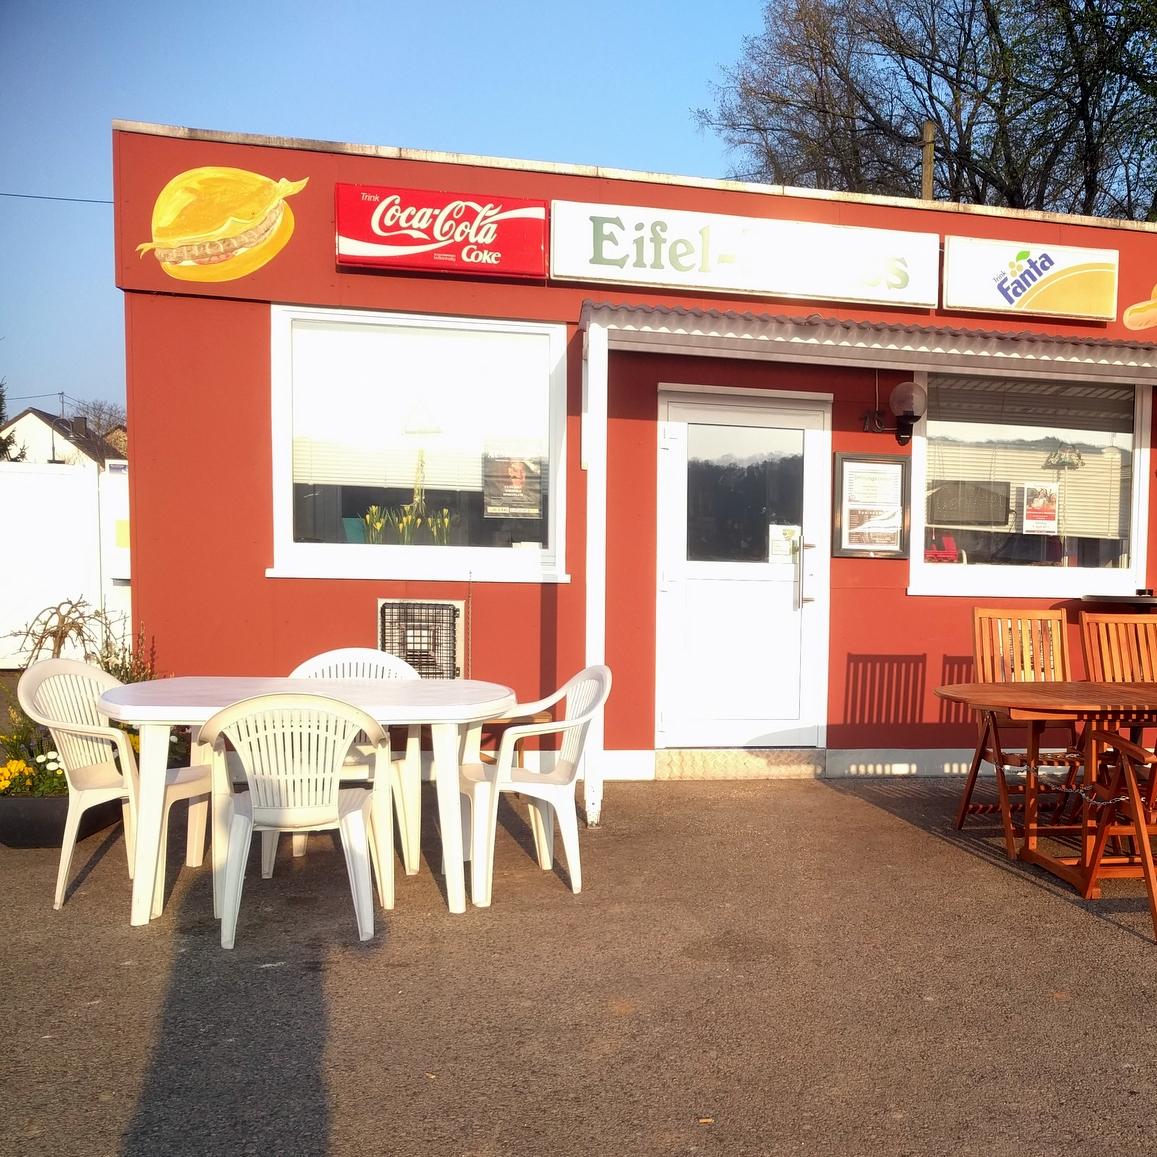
(447,706)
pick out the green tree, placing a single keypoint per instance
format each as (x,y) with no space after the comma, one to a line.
(9,451)
(1037,104)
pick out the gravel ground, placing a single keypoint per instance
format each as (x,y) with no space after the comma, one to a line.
(767,968)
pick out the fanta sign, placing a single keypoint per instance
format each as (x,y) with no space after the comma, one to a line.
(751,255)
(1023,272)
(447,232)
(1024,277)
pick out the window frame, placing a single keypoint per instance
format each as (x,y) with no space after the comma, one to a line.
(970,580)
(438,563)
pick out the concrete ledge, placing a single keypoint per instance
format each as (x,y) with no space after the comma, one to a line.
(627,765)
(932,761)
(702,763)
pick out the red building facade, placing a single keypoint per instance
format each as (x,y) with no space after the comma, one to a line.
(624,417)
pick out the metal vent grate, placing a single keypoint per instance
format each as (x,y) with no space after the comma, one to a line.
(424,634)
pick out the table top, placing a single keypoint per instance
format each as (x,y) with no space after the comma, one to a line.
(1075,698)
(1146,601)
(192,699)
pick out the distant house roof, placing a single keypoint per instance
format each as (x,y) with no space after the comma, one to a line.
(75,431)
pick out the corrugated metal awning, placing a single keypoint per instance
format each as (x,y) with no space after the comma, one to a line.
(836,341)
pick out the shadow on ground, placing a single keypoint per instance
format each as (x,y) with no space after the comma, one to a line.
(930,804)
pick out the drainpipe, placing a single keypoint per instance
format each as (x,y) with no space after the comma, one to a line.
(593,452)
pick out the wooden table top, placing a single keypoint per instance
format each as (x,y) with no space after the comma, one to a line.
(1073,699)
(1144,602)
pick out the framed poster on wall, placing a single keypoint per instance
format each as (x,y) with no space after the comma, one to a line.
(870,513)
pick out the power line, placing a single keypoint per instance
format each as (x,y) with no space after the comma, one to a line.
(62,395)
(41,197)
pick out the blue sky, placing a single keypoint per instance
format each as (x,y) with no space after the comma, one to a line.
(608,82)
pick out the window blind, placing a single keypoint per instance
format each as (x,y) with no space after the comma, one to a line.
(1031,402)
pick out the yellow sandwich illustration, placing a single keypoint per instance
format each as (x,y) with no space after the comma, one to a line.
(219,224)
(1142,314)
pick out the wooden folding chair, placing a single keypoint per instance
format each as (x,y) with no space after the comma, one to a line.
(1022,647)
(1120,649)
(1123,803)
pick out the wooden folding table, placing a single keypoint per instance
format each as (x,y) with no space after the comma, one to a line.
(1107,706)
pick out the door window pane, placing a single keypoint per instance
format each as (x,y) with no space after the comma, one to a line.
(740,481)
(1028,473)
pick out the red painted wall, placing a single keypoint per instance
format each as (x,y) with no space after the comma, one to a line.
(198,365)
(198,392)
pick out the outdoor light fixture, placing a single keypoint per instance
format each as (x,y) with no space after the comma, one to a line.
(907,402)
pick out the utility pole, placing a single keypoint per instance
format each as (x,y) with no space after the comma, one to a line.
(929,156)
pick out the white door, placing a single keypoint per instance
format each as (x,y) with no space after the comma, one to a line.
(744,509)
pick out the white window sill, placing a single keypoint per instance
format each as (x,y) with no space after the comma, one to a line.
(1043,582)
(430,564)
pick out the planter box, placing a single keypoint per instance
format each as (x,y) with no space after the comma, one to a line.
(38,822)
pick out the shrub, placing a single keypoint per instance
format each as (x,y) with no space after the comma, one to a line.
(28,766)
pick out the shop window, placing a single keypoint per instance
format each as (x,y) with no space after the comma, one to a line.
(1030,487)
(417,447)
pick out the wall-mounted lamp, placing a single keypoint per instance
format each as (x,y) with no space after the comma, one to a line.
(907,402)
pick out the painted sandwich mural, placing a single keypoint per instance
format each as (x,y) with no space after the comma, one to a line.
(1142,314)
(219,224)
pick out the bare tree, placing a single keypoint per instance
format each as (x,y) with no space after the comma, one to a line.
(102,415)
(75,626)
(1041,104)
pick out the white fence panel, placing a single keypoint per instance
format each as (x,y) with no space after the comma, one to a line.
(55,541)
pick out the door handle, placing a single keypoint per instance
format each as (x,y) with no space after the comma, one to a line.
(800,546)
(797,544)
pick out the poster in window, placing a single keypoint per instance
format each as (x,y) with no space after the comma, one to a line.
(1041,500)
(871,506)
(511,487)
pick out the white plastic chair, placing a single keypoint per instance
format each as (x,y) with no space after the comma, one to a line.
(550,793)
(292,749)
(99,764)
(367,663)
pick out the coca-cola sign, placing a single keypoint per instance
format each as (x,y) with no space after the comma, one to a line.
(447,232)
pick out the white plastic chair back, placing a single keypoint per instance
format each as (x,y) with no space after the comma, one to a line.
(585,694)
(292,749)
(368,663)
(354,663)
(62,694)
